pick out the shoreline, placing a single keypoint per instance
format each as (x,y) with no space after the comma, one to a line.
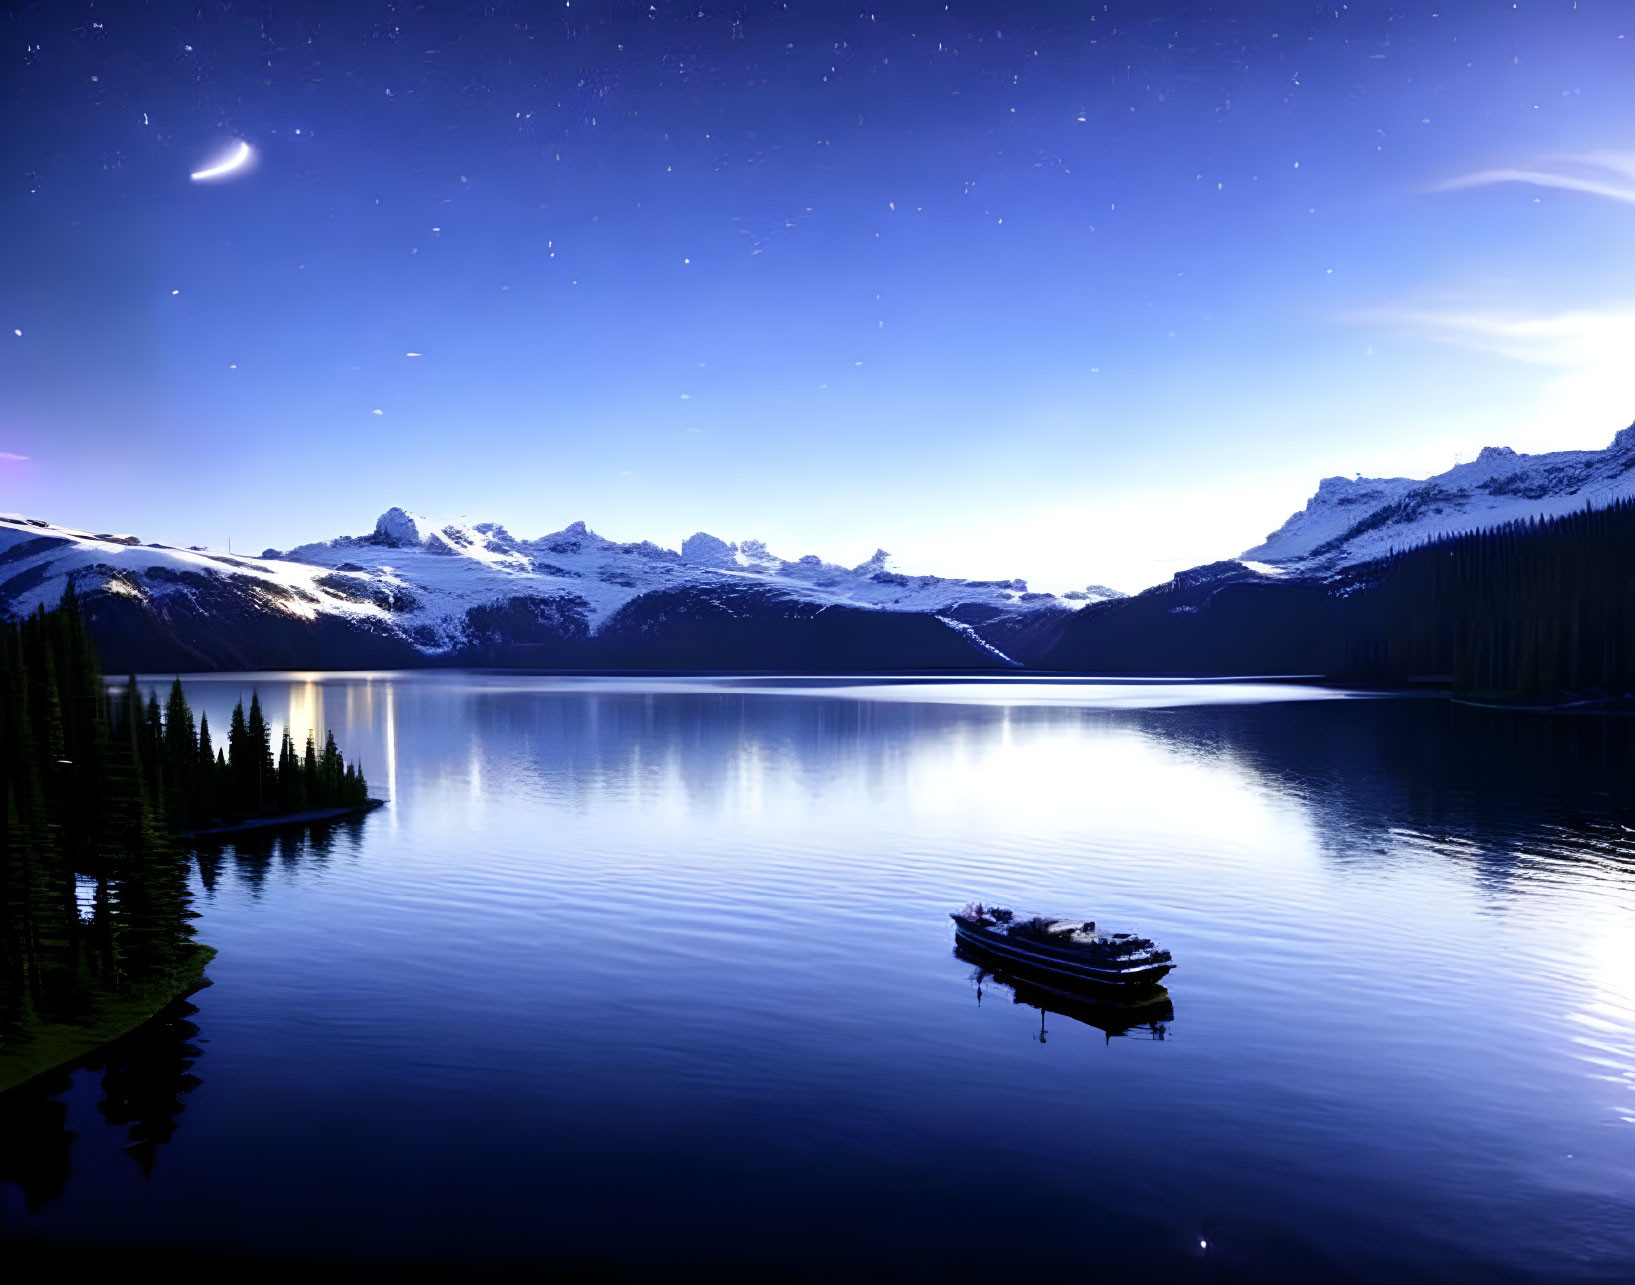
(56,1046)
(1605,706)
(282,821)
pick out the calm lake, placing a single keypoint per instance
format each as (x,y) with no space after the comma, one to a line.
(658,974)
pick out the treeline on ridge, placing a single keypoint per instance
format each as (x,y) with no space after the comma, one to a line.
(1536,610)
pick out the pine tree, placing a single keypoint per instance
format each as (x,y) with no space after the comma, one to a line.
(149,880)
(205,800)
(153,743)
(260,776)
(180,757)
(239,762)
(291,792)
(329,774)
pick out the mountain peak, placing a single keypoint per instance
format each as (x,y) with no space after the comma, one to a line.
(1355,520)
(398,527)
(456,591)
(706,550)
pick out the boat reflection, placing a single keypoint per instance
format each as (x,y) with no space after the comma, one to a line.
(1147,1019)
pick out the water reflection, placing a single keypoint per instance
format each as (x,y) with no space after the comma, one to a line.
(142,1080)
(1490,784)
(1444,769)
(145,1076)
(251,856)
(35,1140)
(683,948)
(1505,802)
(1491,781)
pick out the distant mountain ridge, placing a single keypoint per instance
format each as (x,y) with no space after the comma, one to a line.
(1326,594)
(1349,521)
(412,592)
(471,558)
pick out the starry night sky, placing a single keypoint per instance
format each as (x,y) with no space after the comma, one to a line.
(1079,293)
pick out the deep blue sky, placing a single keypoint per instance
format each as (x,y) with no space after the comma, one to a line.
(1080,293)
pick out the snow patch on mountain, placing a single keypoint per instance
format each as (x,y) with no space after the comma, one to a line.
(978,641)
(1352,520)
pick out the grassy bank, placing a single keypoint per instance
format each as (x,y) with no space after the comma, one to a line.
(52,1044)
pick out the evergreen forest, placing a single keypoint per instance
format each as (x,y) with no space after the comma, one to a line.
(100,792)
(1534,612)
(1539,610)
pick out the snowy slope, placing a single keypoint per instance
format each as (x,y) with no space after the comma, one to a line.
(1351,521)
(464,592)
(449,567)
(38,560)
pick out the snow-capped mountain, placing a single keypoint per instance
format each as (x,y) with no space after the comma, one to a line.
(413,591)
(452,566)
(416,592)
(1356,520)
(1277,608)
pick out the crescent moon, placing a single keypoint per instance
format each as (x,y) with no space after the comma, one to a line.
(236,161)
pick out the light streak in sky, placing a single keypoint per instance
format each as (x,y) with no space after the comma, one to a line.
(236,161)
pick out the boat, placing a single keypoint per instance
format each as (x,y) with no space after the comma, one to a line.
(1062,953)
(1144,1014)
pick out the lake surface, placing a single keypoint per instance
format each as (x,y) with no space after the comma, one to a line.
(651,974)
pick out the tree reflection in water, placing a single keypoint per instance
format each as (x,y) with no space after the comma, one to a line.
(253,855)
(145,1076)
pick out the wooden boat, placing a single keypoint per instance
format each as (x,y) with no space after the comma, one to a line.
(1065,953)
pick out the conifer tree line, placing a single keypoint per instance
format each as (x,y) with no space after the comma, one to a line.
(1536,609)
(95,789)
(203,784)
